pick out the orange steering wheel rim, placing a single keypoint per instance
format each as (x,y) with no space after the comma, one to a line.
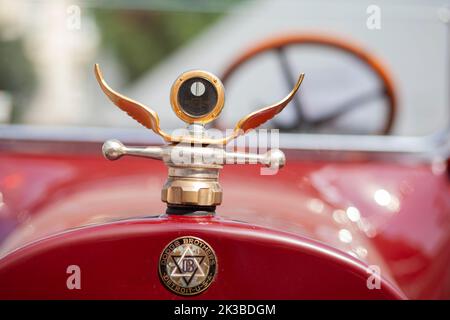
(333,42)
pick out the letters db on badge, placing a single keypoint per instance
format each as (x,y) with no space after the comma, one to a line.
(187,266)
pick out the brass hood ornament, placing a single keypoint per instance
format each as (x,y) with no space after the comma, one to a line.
(197,97)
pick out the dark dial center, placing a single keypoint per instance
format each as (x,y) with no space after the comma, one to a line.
(197,97)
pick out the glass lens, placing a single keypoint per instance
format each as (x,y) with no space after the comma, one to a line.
(197,97)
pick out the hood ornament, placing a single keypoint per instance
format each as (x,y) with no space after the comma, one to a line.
(193,157)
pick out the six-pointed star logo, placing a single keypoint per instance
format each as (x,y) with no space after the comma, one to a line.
(187,265)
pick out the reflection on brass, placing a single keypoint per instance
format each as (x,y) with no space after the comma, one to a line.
(187,266)
(149,118)
(215,83)
(197,97)
(187,186)
(257,118)
(142,114)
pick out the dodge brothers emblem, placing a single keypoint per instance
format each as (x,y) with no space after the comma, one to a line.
(187,266)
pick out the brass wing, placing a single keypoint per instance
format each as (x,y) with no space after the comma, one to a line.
(257,118)
(142,114)
(149,118)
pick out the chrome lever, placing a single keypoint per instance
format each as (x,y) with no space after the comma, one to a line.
(182,155)
(114,149)
(274,158)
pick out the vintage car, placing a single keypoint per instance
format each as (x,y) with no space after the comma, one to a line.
(368,217)
(296,215)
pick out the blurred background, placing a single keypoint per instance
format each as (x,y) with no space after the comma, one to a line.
(48,49)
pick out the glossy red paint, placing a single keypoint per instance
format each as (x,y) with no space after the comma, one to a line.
(296,228)
(120,260)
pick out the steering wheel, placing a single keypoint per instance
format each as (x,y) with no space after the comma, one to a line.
(279,46)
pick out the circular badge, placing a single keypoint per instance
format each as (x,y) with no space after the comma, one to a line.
(187,266)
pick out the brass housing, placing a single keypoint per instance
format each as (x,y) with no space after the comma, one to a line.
(192,186)
(215,112)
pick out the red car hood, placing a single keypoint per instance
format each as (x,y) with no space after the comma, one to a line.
(395,216)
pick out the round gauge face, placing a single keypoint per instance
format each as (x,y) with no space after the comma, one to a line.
(197,97)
